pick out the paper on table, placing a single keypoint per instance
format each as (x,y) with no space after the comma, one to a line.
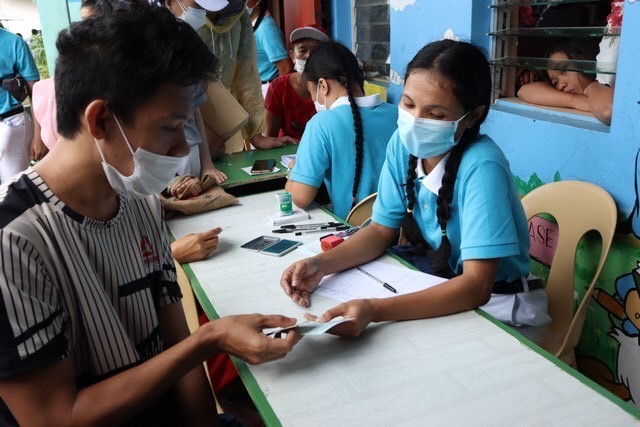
(352,284)
(248,171)
(312,248)
(287,159)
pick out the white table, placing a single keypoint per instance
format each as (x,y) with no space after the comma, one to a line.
(464,369)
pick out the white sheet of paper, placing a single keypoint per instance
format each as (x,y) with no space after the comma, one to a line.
(352,284)
(248,171)
(286,159)
(309,327)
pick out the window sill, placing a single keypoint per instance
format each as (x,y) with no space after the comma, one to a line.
(563,116)
(380,81)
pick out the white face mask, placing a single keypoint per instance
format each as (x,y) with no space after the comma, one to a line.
(320,107)
(426,138)
(196,18)
(151,172)
(299,65)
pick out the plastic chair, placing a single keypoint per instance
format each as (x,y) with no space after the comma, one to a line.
(360,214)
(578,207)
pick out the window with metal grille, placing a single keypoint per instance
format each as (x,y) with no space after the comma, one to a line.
(524,30)
(371,37)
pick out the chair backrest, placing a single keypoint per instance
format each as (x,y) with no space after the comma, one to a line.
(578,207)
(360,214)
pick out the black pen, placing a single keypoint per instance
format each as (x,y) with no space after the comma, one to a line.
(383,283)
(309,226)
(322,230)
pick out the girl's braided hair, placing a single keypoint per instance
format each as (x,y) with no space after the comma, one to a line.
(332,60)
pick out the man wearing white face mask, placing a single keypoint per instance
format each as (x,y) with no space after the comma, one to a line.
(288,102)
(91,326)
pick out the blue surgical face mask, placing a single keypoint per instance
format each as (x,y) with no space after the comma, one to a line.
(196,18)
(426,138)
(320,107)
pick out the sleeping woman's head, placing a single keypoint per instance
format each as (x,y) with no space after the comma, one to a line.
(563,79)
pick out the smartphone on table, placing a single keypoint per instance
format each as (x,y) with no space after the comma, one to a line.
(273,246)
(263,166)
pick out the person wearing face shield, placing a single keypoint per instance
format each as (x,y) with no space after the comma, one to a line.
(225,27)
(92,331)
(288,103)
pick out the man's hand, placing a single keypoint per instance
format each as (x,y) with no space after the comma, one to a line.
(265,142)
(214,173)
(185,186)
(195,247)
(242,336)
(38,149)
(300,279)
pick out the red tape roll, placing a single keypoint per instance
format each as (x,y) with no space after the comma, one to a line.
(330,242)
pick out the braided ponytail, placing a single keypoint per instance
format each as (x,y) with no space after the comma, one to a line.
(357,124)
(440,257)
(332,60)
(409,226)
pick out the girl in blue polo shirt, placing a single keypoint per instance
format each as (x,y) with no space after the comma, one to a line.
(344,144)
(451,188)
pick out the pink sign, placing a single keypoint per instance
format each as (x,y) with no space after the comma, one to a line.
(543,237)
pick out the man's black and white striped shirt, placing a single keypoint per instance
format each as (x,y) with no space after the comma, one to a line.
(74,286)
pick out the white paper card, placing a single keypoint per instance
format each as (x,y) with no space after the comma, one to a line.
(287,159)
(248,171)
(308,327)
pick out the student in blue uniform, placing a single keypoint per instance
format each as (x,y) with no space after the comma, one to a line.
(455,187)
(344,145)
(273,56)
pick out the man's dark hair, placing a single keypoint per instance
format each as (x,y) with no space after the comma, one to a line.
(124,59)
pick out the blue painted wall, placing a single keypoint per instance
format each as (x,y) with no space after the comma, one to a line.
(414,25)
(581,149)
(578,147)
(341,21)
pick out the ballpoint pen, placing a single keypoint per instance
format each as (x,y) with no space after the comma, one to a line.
(311,226)
(342,233)
(322,230)
(382,282)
